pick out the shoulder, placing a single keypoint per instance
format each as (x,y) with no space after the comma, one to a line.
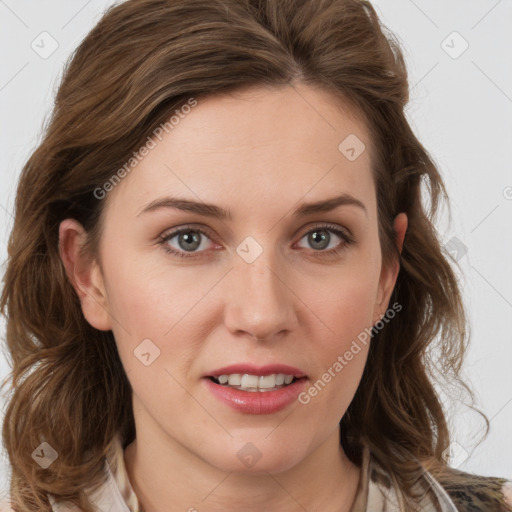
(476,493)
(507,492)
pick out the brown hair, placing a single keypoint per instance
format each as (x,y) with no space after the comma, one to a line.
(143,60)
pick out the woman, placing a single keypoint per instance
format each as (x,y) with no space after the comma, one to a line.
(222,283)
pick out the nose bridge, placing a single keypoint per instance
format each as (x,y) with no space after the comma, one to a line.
(260,302)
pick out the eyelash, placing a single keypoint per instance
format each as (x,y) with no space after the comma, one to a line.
(347,240)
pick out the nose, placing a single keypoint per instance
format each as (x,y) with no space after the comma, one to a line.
(259,302)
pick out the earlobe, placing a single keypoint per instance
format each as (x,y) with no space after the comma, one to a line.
(84,275)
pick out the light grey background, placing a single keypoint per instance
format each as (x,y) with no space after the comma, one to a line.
(461,109)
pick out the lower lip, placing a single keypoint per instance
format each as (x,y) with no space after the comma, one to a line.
(257,402)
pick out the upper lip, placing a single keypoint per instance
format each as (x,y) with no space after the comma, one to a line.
(251,369)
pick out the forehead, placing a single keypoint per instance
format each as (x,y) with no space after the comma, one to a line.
(258,143)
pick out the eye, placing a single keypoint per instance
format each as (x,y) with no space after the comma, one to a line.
(188,240)
(191,241)
(320,238)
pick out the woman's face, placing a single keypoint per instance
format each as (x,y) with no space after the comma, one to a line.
(274,283)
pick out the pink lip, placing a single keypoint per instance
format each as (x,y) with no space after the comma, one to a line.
(256,402)
(258,370)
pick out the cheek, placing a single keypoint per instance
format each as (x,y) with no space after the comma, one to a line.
(340,345)
(345,302)
(147,296)
(152,301)
(342,353)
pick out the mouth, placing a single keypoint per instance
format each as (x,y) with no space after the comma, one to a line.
(248,377)
(256,390)
(255,383)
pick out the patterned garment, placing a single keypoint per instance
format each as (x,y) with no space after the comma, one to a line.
(375,493)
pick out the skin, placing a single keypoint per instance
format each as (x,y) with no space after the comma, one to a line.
(258,153)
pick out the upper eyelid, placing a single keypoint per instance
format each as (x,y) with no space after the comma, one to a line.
(187,227)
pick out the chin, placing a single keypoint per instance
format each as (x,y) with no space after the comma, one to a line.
(257,457)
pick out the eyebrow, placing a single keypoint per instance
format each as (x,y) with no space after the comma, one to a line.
(214,211)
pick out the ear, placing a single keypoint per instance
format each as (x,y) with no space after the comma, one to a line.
(389,274)
(84,274)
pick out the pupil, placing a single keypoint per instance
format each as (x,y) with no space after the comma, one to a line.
(190,238)
(322,237)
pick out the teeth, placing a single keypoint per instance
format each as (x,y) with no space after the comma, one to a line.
(249,381)
(234,380)
(267,382)
(255,382)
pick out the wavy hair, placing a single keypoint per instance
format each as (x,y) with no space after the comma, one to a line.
(143,60)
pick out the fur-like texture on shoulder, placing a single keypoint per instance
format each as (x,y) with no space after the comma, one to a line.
(474,493)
